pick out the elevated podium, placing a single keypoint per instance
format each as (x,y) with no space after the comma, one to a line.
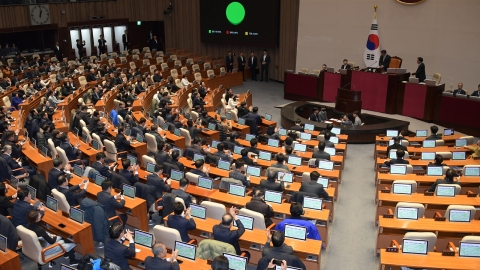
(334,81)
(302,87)
(418,100)
(348,101)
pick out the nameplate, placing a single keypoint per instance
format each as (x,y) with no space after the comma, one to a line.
(222,190)
(192,183)
(415,158)
(448,253)
(312,166)
(391,249)
(385,190)
(209,261)
(169,250)
(387,215)
(472,195)
(417,146)
(213,165)
(440,218)
(428,194)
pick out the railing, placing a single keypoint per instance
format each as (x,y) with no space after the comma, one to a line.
(39,2)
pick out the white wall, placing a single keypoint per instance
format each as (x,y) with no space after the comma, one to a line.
(445,33)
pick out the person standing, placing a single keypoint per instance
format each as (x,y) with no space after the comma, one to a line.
(229,60)
(80,46)
(420,73)
(265,62)
(101,45)
(57,51)
(241,64)
(358,121)
(154,43)
(126,41)
(384,60)
(252,64)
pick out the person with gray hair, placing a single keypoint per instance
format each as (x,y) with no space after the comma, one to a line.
(13,164)
(270,183)
(158,261)
(220,263)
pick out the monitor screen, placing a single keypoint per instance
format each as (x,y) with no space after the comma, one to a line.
(336,131)
(421,133)
(211,126)
(85,137)
(224,165)
(472,171)
(179,151)
(273,143)
(309,127)
(333,140)
(428,155)
(392,133)
(272,196)
(129,191)
(429,144)
(186,250)
(198,211)
(398,169)
(459,215)
(325,165)
(78,171)
(139,138)
(459,155)
(448,132)
(312,203)
(407,213)
(96,145)
(236,262)
(75,131)
(296,232)
(265,155)
(198,156)
(3,243)
(44,151)
(236,190)
(434,170)
(176,175)
(248,137)
(415,246)
(468,249)
(99,179)
(150,167)
(177,132)
(238,150)
(402,188)
(268,117)
(282,132)
(392,154)
(323,181)
(143,238)
(253,171)
(128,132)
(32,191)
(34,143)
(445,191)
(300,147)
(165,126)
(133,160)
(205,182)
(228,116)
(247,222)
(460,142)
(76,214)
(331,151)
(390,142)
(285,177)
(305,136)
(294,161)
(215,143)
(241,121)
(51,203)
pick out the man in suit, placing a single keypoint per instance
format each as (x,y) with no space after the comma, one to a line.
(99,165)
(459,90)
(56,171)
(257,204)
(384,60)
(237,173)
(154,43)
(200,169)
(122,141)
(181,193)
(229,60)
(420,73)
(110,202)
(129,171)
(345,64)
(396,145)
(327,141)
(101,45)
(314,187)
(161,156)
(71,151)
(58,51)
(221,153)
(241,64)
(279,247)
(157,76)
(197,100)
(96,95)
(13,164)
(265,62)
(323,114)
(298,126)
(252,64)
(91,76)
(476,93)
(174,160)
(155,180)
(180,223)
(346,121)
(321,154)
(80,46)
(22,206)
(450,175)
(358,121)
(159,259)
(126,41)
(253,114)
(270,183)
(399,160)
(222,231)
(433,135)
(115,251)
(73,196)
(315,115)
(253,146)
(247,161)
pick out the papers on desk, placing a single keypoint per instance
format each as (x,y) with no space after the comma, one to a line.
(327,122)
(137,250)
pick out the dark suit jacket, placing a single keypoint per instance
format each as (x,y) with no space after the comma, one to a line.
(297,128)
(385,62)
(249,161)
(321,155)
(199,172)
(177,165)
(224,234)
(277,251)
(347,66)
(121,143)
(292,260)
(160,185)
(254,64)
(72,195)
(129,176)
(271,185)
(420,73)
(229,60)
(118,253)
(241,63)
(154,263)
(315,117)
(58,52)
(53,175)
(459,92)
(162,157)
(187,198)
(103,170)
(124,39)
(395,146)
(434,137)
(315,188)
(19,213)
(11,163)
(267,60)
(440,181)
(182,225)
(476,93)
(153,44)
(96,97)
(71,152)
(260,206)
(109,203)
(396,161)
(101,43)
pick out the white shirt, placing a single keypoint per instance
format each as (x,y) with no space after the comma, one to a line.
(185,81)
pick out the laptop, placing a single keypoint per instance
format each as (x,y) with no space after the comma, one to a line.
(448,132)
(205,182)
(421,133)
(253,171)
(150,167)
(99,179)
(177,132)
(51,203)
(238,150)
(405,189)
(428,155)
(198,211)
(287,177)
(176,175)
(247,222)
(273,196)
(96,145)
(336,131)
(334,140)
(323,181)
(179,151)
(415,246)
(44,151)
(296,232)
(129,191)
(392,133)
(390,142)
(133,160)
(309,127)
(224,165)
(248,137)
(460,142)
(265,155)
(468,249)
(331,69)
(429,144)
(236,190)
(330,150)
(236,262)
(76,215)
(268,117)
(197,157)
(305,136)
(273,142)
(472,171)
(294,161)
(413,80)
(407,213)
(241,121)
(434,170)
(215,143)
(185,250)
(325,165)
(398,169)
(139,138)
(32,191)
(459,155)
(143,238)
(312,203)
(3,243)
(445,191)
(282,132)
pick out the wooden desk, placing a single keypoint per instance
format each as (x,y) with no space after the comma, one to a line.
(434,260)
(139,147)
(424,163)
(449,139)
(412,150)
(10,260)
(43,164)
(86,149)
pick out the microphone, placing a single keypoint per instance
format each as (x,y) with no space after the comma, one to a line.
(371,65)
(345,85)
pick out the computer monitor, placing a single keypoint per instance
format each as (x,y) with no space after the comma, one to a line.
(415,246)
(294,160)
(51,203)
(309,127)
(247,222)
(241,121)
(248,137)
(445,191)
(180,152)
(392,154)
(215,143)
(129,191)
(236,190)
(312,203)
(205,182)
(133,159)
(331,150)
(238,150)
(325,165)
(128,132)
(429,143)
(398,169)
(14,182)
(402,189)
(143,238)
(407,213)
(198,156)
(228,116)
(3,243)
(296,232)
(44,151)
(448,132)
(323,181)
(96,145)
(34,143)
(428,155)
(236,262)
(421,133)
(78,171)
(273,142)
(32,191)
(300,147)
(165,126)
(287,177)
(268,117)
(459,155)
(253,171)
(472,171)
(305,136)
(185,250)
(469,249)
(459,215)
(282,132)
(150,167)
(75,131)
(265,155)
(273,196)
(224,165)
(198,211)
(392,133)
(139,138)
(390,142)
(333,140)
(460,142)
(99,179)
(177,132)
(85,137)
(211,126)
(76,214)
(434,170)
(336,131)
(176,175)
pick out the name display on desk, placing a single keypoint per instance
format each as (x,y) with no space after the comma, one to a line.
(468,249)
(300,147)
(3,243)
(165,126)
(198,211)
(294,160)
(296,232)
(185,250)
(434,170)
(305,136)
(205,182)
(312,203)
(129,191)
(459,155)
(429,144)
(421,133)
(198,157)
(236,190)
(248,137)
(392,133)
(282,132)
(309,127)
(331,151)
(460,142)
(143,238)
(176,175)
(273,142)
(51,203)
(265,155)
(287,177)
(405,189)
(428,155)
(150,167)
(238,150)
(96,145)
(236,262)
(398,169)
(407,213)
(99,179)
(253,171)
(273,196)
(325,165)
(76,215)
(336,131)
(247,222)
(415,246)
(333,140)
(241,121)
(224,165)
(445,191)
(448,132)
(472,171)
(459,215)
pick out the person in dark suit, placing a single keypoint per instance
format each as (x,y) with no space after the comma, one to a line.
(22,206)
(197,100)
(126,41)
(459,90)
(161,156)
(129,171)
(253,114)
(253,146)
(99,165)
(229,60)
(248,161)
(449,179)
(252,64)
(433,135)
(96,95)
(174,161)
(7,151)
(158,261)
(55,172)
(5,201)
(121,140)
(237,173)
(270,183)
(420,73)
(200,169)
(156,181)
(279,247)
(154,43)
(71,151)
(265,62)
(399,160)
(241,64)
(384,60)
(327,141)
(221,153)
(345,64)
(110,202)
(58,51)
(115,251)
(222,232)
(315,115)
(257,204)
(396,145)
(321,154)
(71,193)
(476,93)
(181,193)
(80,46)
(101,45)
(314,187)
(180,223)
(298,126)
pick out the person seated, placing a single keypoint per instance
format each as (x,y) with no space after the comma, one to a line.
(327,141)
(321,154)
(298,126)
(159,259)
(434,136)
(180,223)
(91,77)
(221,263)
(71,151)
(459,90)
(345,64)
(110,203)
(280,252)
(296,212)
(399,160)
(258,204)
(115,250)
(14,165)
(438,161)
(328,129)
(346,121)
(242,110)
(248,161)
(253,146)
(22,206)
(129,171)
(122,141)
(271,182)
(450,175)
(238,174)
(396,145)
(314,187)
(280,162)
(99,165)
(475,149)
(315,116)
(221,153)
(358,121)
(182,193)
(174,161)
(71,193)
(162,156)
(403,135)
(6,204)
(476,93)
(200,169)
(155,180)
(289,152)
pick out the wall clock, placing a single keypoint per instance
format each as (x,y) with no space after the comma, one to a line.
(39,14)
(410,2)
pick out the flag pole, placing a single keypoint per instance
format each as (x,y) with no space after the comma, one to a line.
(375,13)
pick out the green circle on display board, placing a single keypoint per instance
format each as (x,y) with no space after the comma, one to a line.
(235,13)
